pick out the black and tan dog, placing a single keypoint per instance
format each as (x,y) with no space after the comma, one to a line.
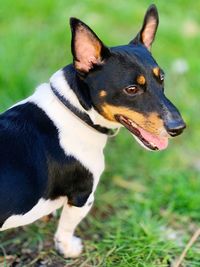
(51,144)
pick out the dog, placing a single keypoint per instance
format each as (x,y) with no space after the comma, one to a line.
(51,144)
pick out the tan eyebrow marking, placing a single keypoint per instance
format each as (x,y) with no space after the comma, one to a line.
(141,80)
(156,71)
(102,93)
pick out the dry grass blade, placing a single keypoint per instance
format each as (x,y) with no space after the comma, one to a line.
(188,246)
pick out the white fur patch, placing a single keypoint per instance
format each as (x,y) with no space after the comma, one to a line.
(75,137)
(42,208)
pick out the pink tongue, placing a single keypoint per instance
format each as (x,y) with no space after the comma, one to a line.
(160,143)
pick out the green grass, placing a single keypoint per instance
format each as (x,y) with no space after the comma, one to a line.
(147,204)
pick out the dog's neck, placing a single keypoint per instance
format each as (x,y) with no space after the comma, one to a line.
(72,90)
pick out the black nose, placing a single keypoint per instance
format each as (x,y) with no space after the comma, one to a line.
(175,128)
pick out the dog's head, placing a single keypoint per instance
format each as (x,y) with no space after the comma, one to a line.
(125,83)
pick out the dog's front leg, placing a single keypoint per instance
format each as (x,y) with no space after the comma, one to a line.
(65,241)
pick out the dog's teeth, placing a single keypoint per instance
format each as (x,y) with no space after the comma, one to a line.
(152,144)
(133,124)
(130,122)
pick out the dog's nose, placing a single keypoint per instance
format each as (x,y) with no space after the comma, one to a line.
(173,122)
(175,128)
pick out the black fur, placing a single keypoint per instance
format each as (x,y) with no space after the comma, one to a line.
(33,165)
(78,85)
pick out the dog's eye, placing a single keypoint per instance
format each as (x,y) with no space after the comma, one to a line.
(131,90)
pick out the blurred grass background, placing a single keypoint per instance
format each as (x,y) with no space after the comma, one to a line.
(147,204)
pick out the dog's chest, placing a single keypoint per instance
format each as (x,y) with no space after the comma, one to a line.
(75,138)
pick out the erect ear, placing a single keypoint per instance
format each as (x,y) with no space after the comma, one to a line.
(149,28)
(87,49)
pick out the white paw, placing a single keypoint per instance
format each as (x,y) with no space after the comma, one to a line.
(69,248)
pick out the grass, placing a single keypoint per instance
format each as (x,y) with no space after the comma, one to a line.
(147,204)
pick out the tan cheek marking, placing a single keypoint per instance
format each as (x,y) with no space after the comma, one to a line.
(156,71)
(151,123)
(141,80)
(102,93)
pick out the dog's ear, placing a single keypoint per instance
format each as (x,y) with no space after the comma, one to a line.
(87,49)
(150,24)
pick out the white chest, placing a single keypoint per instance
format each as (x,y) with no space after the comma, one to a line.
(76,138)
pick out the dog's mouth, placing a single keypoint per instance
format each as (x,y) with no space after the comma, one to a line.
(147,139)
